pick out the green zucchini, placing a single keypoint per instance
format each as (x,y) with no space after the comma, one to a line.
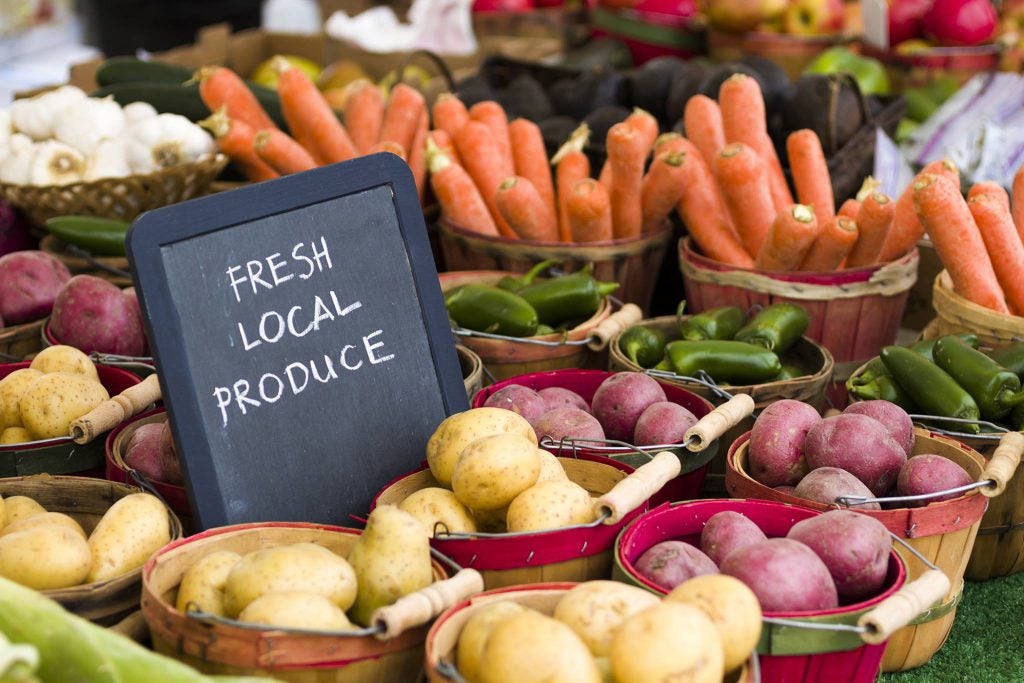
(132,70)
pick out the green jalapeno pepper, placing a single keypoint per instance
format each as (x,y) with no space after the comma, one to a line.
(514,284)
(874,369)
(926,347)
(995,389)
(544,329)
(776,327)
(489,309)
(714,323)
(931,387)
(789,372)
(1010,357)
(883,388)
(98,236)
(644,346)
(725,360)
(577,295)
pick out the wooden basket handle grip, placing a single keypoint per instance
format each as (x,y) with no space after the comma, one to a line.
(1003,463)
(113,412)
(903,606)
(718,422)
(631,492)
(620,320)
(416,609)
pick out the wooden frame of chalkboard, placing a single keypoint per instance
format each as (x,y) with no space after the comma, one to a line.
(338,261)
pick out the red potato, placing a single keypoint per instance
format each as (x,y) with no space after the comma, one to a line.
(785,575)
(519,399)
(568,423)
(825,484)
(929,473)
(854,547)
(621,400)
(146,453)
(662,423)
(29,284)
(776,455)
(669,563)
(894,418)
(558,397)
(859,444)
(728,531)
(92,314)
(791,490)
(133,299)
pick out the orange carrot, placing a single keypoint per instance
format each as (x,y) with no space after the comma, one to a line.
(312,121)
(951,227)
(702,119)
(834,242)
(873,221)
(571,165)
(627,150)
(744,120)
(662,189)
(219,87)
(530,158)
(789,239)
(444,142)
(674,142)
(645,125)
(480,157)
(995,223)
(605,176)
(906,228)
(458,197)
(364,113)
(1017,207)
(706,217)
(589,212)
(850,209)
(234,138)
(810,173)
(389,146)
(402,115)
(492,114)
(282,153)
(742,176)
(989,187)
(524,209)
(418,154)
(449,114)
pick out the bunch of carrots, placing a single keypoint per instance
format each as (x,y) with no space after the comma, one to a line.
(262,151)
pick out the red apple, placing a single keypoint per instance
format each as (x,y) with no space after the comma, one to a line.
(905,19)
(960,22)
(812,17)
(738,16)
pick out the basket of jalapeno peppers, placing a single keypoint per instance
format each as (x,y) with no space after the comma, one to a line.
(522,323)
(974,395)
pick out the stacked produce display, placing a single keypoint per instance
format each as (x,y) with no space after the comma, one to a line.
(703,443)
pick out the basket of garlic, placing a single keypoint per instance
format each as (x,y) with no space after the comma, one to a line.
(63,152)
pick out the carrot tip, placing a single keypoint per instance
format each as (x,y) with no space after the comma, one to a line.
(925,181)
(217,123)
(665,137)
(880,197)
(261,139)
(508,183)
(576,143)
(846,223)
(803,212)
(733,149)
(870,185)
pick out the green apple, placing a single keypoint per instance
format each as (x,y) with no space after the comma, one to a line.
(869,73)
(739,16)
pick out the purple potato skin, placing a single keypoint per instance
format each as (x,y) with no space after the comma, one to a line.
(92,314)
(669,563)
(568,423)
(929,473)
(825,484)
(519,399)
(621,400)
(560,397)
(854,547)
(727,531)
(172,465)
(791,490)
(663,422)
(785,575)
(145,454)
(859,444)
(894,418)
(776,451)
(29,284)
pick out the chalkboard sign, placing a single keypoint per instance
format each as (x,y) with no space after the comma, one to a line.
(301,339)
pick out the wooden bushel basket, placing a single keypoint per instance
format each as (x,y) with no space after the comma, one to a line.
(231,648)
(112,268)
(472,370)
(143,366)
(955,314)
(84,499)
(942,532)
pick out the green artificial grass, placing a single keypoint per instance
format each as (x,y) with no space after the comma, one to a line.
(986,644)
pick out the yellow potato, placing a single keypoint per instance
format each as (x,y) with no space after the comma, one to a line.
(733,608)
(439,511)
(475,633)
(655,645)
(604,667)
(491,521)
(550,505)
(129,532)
(11,388)
(43,519)
(550,467)
(13,435)
(51,402)
(459,430)
(305,567)
(61,358)
(44,558)
(202,586)
(594,609)
(296,609)
(495,469)
(533,648)
(20,507)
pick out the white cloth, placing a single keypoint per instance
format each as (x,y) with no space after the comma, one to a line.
(443,26)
